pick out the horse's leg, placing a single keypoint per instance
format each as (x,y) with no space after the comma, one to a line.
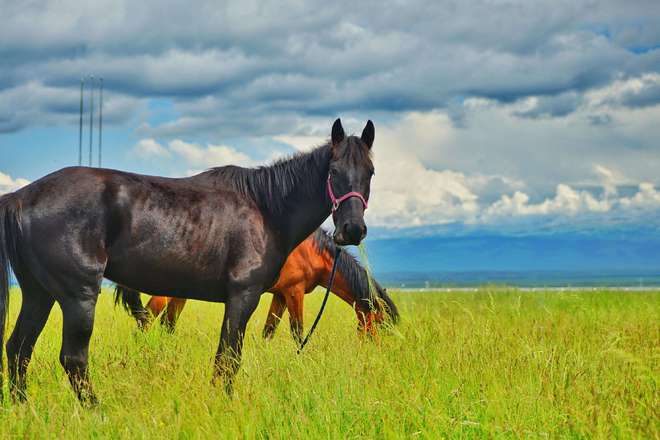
(174,309)
(238,310)
(35,309)
(78,314)
(277,308)
(295,299)
(157,304)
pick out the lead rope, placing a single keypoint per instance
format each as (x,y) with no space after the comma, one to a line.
(325,300)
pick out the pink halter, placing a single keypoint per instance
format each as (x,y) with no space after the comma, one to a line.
(337,201)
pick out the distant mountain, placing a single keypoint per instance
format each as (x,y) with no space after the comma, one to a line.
(614,256)
(566,251)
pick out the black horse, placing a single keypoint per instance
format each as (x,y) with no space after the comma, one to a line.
(220,236)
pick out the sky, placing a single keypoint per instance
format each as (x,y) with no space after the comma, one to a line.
(496,115)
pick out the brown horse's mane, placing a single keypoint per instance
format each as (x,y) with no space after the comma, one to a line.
(348,266)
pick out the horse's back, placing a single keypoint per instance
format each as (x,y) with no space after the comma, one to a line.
(151,233)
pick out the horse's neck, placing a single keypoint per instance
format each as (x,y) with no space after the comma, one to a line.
(306,206)
(291,194)
(303,217)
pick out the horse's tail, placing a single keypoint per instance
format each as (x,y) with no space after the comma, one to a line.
(125,297)
(10,231)
(390,307)
(132,303)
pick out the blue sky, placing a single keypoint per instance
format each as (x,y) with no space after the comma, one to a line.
(494,115)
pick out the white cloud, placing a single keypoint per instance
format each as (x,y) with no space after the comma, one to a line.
(410,195)
(405,191)
(209,156)
(610,179)
(409,191)
(569,202)
(9,184)
(646,198)
(301,142)
(639,91)
(305,59)
(566,201)
(192,154)
(150,148)
(543,152)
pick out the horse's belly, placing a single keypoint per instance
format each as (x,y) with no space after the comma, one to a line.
(183,281)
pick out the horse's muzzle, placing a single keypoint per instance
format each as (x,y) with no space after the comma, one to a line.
(350,233)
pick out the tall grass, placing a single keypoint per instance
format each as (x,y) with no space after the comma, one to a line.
(495,363)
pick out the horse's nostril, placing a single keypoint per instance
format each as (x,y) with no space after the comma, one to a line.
(353,232)
(349,231)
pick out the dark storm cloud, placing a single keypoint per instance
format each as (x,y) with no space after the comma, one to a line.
(279,61)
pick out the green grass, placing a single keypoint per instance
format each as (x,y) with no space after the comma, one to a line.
(495,363)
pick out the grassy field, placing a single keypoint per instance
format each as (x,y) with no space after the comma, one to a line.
(495,363)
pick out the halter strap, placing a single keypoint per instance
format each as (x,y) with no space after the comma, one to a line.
(338,201)
(325,300)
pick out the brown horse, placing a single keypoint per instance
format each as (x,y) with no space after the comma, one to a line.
(308,266)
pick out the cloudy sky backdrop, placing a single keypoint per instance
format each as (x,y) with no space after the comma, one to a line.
(493,114)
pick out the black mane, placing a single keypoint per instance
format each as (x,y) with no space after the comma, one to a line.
(270,185)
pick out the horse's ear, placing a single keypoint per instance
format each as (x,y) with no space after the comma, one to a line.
(368,134)
(337,132)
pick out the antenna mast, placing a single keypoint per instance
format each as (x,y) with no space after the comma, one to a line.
(91,117)
(82,83)
(100,122)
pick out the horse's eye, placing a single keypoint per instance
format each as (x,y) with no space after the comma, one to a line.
(333,172)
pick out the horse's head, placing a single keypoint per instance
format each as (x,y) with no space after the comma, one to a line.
(380,310)
(349,182)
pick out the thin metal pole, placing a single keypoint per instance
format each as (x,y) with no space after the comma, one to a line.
(91,117)
(82,83)
(100,122)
